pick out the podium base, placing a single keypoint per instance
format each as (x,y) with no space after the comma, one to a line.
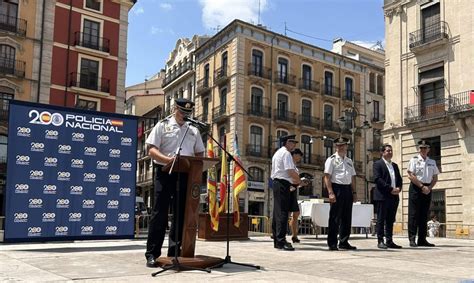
(198,261)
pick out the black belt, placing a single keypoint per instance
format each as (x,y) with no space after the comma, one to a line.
(341,185)
(283,181)
(418,188)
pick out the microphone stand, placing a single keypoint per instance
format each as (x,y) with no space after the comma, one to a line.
(176,265)
(228,259)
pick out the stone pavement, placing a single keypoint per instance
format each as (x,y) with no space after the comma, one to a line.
(452,260)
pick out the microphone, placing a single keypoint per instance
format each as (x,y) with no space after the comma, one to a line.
(196,122)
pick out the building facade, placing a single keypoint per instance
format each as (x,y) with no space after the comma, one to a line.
(429,94)
(257,85)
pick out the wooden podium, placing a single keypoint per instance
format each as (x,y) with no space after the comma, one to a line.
(193,166)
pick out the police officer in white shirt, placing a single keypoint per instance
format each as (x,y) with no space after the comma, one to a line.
(339,177)
(283,175)
(423,174)
(162,143)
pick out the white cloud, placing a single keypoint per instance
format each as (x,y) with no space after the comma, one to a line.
(166,6)
(139,10)
(157,30)
(221,12)
(368,44)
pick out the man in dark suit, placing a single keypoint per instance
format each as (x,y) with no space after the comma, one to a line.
(388,183)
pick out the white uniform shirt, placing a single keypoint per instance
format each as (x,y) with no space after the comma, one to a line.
(340,169)
(391,171)
(167,134)
(281,163)
(424,170)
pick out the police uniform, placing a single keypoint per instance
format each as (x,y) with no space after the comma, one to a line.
(166,136)
(281,183)
(341,171)
(418,202)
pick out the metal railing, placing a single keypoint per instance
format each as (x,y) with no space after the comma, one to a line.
(174,74)
(331,126)
(310,121)
(348,95)
(260,224)
(286,116)
(203,85)
(313,159)
(309,85)
(259,71)
(219,112)
(425,111)
(256,150)
(330,90)
(462,101)
(220,75)
(92,41)
(285,78)
(89,82)
(428,34)
(13,24)
(255,109)
(12,67)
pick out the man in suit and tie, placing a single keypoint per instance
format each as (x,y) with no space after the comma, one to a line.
(388,183)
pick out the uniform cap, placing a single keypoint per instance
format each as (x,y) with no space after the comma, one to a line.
(284,139)
(341,141)
(424,143)
(184,105)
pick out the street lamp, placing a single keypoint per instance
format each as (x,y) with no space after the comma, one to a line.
(311,141)
(365,126)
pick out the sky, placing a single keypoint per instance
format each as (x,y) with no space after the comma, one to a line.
(156,25)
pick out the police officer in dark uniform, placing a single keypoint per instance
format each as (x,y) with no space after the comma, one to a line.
(162,143)
(423,174)
(339,177)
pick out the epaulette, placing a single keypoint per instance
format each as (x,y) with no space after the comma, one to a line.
(332,156)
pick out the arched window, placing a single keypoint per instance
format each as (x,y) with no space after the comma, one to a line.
(3,149)
(256,141)
(306,77)
(6,95)
(257,63)
(206,75)
(328,83)
(349,87)
(282,70)
(205,108)
(280,133)
(7,59)
(256,104)
(328,147)
(306,106)
(306,148)
(224,61)
(328,116)
(282,108)
(223,97)
(257,174)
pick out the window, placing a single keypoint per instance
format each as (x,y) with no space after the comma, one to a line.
(9,10)
(257,174)
(280,133)
(372,82)
(94,4)
(282,70)
(205,108)
(256,141)
(256,104)
(349,86)
(181,92)
(380,85)
(257,63)
(89,74)
(435,150)
(7,59)
(328,147)
(3,149)
(307,77)
(190,90)
(224,63)
(282,107)
(328,115)
(306,148)
(349,119)
(430,22)
(376,110)
(431,86)
(168,103)
(328,83)
(306,111)
(223,97)
(91,34)
(5,97)
(206,75)
(86,104)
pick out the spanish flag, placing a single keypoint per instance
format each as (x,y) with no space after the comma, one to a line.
(223,183)
(240,183)
(212,189)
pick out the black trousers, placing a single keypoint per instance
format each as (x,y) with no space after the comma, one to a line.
(386,212)
(340,215)
(165,193)
(281,206)
(418,207)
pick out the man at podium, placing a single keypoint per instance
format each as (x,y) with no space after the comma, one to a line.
(162,143)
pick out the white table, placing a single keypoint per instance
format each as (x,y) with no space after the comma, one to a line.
(362,214)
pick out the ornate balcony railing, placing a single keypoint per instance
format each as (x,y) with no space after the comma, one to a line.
(348,95)
(259,71)
(329,125)
(428,34)
(203,85)
(309,85)
(419,112)
(286,116)
(256,151)
(12,67)
(172,75)
(330,90)
(220,75)
(462,101)
(255,109)
(313,159)
(13,24)
(310,121)
(219,112)
(91,41)
(285,78)
(88,81)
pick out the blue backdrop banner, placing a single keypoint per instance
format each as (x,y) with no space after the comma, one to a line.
(70,174)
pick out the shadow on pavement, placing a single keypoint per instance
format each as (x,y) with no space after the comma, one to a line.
(86,249)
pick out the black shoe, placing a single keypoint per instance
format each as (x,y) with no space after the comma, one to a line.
(151,262)
(413,244)
(346,246)
(285,247)
(295,239)
(425,244)
(333,248)
(392,245)
(382,245)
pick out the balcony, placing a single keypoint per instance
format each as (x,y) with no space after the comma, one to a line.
(331,91)
(257,151)
(422,112)
(219,113)
(308,85)
(284,116)
(429,36)
(12,67)
(220,76)
(204,118)
(258,110)
(309,121)
(313,159)
(348,95)
(92,42)
(203,85)
(13,24)
(259,71)
(86,81)
(461,102)
(329,125)
(171,76)
(285,79)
